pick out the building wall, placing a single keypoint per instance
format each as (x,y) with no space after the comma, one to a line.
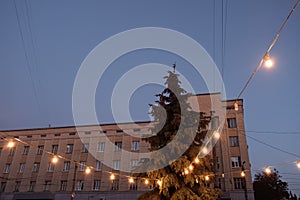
(111,133)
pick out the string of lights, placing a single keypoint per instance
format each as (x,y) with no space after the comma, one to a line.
(266,59)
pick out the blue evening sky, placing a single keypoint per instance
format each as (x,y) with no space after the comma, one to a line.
(37,70)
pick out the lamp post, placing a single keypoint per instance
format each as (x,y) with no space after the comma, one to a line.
(243,174)
(74,180)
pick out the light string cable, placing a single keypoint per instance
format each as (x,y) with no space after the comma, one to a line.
(266,55)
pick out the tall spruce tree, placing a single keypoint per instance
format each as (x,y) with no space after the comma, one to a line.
(180,177)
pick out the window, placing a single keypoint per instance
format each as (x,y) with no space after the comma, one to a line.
(21,167)
(47,185)
(63,185)
(69,148)
(0,150)
(54,149)
(66,166)
(234,141)
(12,151)
(50,167)
(98,165)
(2,186)
(135,146)
(7,168)
(31,186)
(17,186)
(40,150)
(238,183)
(235,161)
(134,185)
(43,135)
(79,185)
(36,167)
(101,146)
(97,184)
(116,164)
(87,133)
(231,122)
(119,131)
(115,184)
(134,163)
(85,148)
(26,150)
(73,133)
(118,146)
(56,134)
(82,166)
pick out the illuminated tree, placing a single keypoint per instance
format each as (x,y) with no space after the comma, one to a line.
(183,177)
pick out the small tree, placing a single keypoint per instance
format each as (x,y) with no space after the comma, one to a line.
(270,187)
(179,178)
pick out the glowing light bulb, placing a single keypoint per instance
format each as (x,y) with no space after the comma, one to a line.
(223,175)
(191,167)
(268,62)
(268,170)
(130,180)
(204,150)
(54,160)
(186,171)
(88,170)
(298,164)
(217,135)
(10,144)
(243,174)
(206,178)
(159,182)
(146,181)
(197,160)
(236,106)
(112,177)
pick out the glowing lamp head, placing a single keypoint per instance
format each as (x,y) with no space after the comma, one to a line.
(205,150)
(217,135)
(146,181)
(87,170)
(186,171)
(243,174)
(54,160)
(268,170)
(112,177)
(206,178)
(191,167)
(267,61)
(298,164)
(130,180)
(10,144)
(197,160)
(159,182)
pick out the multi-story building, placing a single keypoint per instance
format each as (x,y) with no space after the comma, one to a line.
(27,170)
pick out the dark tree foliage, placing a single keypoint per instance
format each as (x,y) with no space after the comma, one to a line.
(173,118)
(270,187)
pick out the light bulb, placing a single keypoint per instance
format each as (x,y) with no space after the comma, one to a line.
(88,170)
(268,170)
(298,164)
(130,180)
(54,159)
(146,181)
(159,183)
(10,144)
(268,62)
(217,135)
(204,150)
(206,178)
(197,160)
(243,174)
(186,171)
(191,167)
(236,106)
(112,177)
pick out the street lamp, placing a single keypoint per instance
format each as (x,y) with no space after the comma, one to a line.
(74,180)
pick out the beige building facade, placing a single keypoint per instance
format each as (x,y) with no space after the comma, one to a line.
(27,170)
